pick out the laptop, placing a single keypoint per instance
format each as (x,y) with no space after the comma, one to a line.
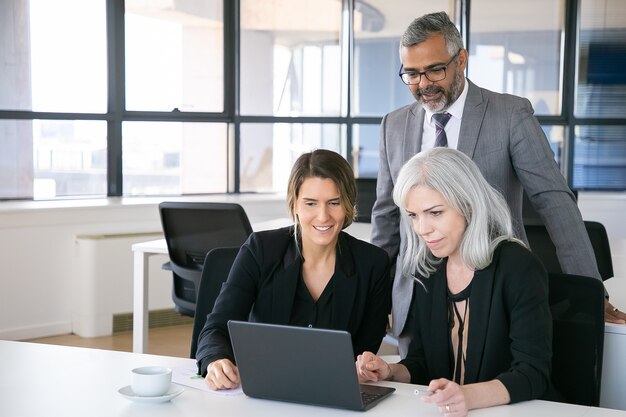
(301,365)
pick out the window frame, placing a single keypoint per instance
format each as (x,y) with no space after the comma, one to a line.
(117,114)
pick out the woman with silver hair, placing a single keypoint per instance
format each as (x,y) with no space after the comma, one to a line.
(483,333)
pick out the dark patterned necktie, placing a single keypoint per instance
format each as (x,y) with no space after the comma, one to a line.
(440,133)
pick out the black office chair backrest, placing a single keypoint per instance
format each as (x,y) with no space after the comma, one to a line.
(577,305)
(191,230)
(214,272)
(542,246)
(365,198)
(601,248)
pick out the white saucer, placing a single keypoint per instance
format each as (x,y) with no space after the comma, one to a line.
(174,391)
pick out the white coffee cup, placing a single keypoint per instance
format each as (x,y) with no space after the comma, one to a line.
(151,381)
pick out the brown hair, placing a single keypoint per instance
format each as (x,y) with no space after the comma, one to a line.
(322,163)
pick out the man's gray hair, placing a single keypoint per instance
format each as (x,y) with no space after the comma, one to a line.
(431,24)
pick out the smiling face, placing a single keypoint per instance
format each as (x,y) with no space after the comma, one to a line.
(437,96)
(437,223)
(319,212)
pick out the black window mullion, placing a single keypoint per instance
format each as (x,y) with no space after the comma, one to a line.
(569,86)
(231,86)
(116,95)
(348,43)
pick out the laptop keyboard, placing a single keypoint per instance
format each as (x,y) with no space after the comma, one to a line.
(368,397)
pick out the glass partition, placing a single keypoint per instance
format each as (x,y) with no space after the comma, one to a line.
(50,61)
(516,49)
(268,151)
(600,150)
(163,158)
(174,55)
(290,58)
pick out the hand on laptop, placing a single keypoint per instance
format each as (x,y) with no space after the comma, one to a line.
(222,374)
(370,367)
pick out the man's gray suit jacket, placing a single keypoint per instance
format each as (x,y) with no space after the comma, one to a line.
(502,136)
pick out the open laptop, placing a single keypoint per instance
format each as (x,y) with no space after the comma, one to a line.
(300,364)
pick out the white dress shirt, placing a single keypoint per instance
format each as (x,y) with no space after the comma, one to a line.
(453,127)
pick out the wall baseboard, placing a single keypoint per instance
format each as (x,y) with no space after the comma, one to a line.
(121,323)
(158,318)
(35,332)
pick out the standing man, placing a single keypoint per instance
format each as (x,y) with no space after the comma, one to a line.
(498,131)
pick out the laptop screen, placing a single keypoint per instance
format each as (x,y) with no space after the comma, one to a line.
(298,364)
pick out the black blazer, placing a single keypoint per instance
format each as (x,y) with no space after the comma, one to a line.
(261,287)
(510,326)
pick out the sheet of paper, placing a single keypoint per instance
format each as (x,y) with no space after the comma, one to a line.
(187,376)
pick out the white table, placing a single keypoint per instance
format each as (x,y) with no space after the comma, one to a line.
(613,370)
(46,380)
(142,252)
(613,385)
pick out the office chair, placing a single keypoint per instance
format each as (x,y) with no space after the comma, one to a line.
(577,306)
(542,246)
(191,230)
(365,198)
(214,273)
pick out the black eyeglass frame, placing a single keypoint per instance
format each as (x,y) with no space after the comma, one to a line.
(418,74)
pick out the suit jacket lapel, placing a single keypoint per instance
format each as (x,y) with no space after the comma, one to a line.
(284,285)
(473,115)
(345,284)
(479,307)
(439,325)
(413,131)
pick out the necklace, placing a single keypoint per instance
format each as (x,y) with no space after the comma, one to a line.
(453,299)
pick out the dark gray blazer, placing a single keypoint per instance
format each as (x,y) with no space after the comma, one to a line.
(501,135)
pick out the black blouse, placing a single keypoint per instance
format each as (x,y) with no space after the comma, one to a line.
(307,312)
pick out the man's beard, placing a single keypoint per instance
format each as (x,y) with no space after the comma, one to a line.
(447,97)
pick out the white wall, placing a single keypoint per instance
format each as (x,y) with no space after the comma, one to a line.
(43,266)
(610,210)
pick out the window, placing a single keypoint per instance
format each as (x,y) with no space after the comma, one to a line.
(178,102)
(268,151)
(48,68)
(175,158)
(515,50)
(290,58)
(600,157)
(174,56)
(365,149)
(600,150)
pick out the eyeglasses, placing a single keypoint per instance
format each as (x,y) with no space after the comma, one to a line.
(433,74)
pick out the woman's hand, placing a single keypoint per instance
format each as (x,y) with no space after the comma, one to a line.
(448,396)
(370,367)
(222,374)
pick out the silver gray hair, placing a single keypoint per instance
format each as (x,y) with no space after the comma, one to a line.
(431,24)
(460,182)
